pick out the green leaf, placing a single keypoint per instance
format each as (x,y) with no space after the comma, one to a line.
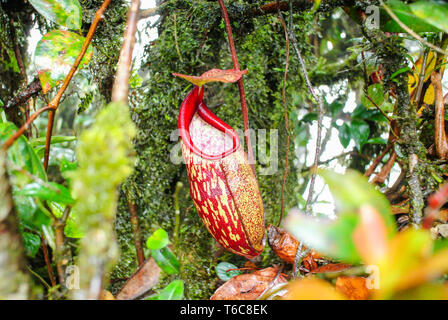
(72,226)
(67,13)
(166,260)
(50,191)
(335,108)
(31,243)
(407,16)
(309,117)
(432,12)
(173,291)
(331,238)
(377,140)
(55,55)
(30,215)
(158,240)
(352,190)
(54,139)
(21,153)
(223,273)
(360,132)
(375,92)
(344,135)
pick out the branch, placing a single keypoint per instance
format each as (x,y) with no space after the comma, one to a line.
(146,13)
(30,91)
(120,90)
(240,84)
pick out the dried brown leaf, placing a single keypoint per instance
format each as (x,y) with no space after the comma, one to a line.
(354,288)
(248,286)
(228,76)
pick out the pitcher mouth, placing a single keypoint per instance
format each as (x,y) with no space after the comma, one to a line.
(193,104)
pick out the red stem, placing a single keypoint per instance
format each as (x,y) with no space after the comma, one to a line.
(240,84)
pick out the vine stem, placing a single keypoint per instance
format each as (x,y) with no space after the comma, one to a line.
(285,110)
(240,84)
(300,254)
(120,93)
(54,103)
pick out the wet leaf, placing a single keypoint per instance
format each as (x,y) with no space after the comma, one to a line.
(375,93)
(312,289)
(248,286)
(49,191)
(359,131)
(158,240)
(224,272)
(31,242)
(213,75)
(166,260)
(67,13)
(55,55)
(282,243)
(21,153)
(354,288)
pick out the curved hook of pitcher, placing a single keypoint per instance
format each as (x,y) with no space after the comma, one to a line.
(192,103)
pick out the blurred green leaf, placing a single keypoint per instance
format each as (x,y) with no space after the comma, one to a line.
(335,108)
(158,240)
(377,140)
(344,135)
(352,190)
(360,132)
(67,13)
(166,260)
(432,12)
(31,216)
(49,191)
(331,238)
(55,55)
(407,16)
(223,274)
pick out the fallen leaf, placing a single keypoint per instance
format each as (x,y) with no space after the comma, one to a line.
(312,289)
(228,76)
(354,288)
(142,281)
(249,286)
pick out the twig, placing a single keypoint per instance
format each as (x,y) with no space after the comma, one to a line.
(47,261)
(33,88)
(378,160)
(385,171)
(285,110)
(179,186)
(319,102)
(240,84)
(410,31)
